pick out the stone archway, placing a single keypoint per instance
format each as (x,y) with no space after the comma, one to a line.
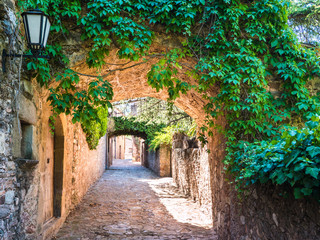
(127,132)
(115,147)
(131,83)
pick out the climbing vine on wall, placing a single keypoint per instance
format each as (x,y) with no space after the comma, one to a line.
(239,46)
(165,136)
(130,126)
(292,159)
(96,128)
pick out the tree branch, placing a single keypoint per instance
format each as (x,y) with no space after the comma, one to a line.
(120,69)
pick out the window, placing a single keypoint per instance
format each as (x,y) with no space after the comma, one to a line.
(26,140)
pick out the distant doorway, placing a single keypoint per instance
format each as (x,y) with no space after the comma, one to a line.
(58,167)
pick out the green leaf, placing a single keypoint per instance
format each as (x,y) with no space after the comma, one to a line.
(313,151)
(297,193)
(299,167)
(314,172)
(306,191)
(274,43)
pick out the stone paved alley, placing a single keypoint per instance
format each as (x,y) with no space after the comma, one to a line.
(130,202)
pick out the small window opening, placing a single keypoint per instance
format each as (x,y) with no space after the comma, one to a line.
(26,140)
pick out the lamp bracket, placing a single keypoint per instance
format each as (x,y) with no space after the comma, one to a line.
(14,55)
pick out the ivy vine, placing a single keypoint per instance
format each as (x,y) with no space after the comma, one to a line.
(130,126)
(292,159)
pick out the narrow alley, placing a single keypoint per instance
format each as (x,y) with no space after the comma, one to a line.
(130,202)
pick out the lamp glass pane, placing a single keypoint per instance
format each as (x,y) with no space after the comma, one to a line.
(34,22)
(45,30)
(26,27)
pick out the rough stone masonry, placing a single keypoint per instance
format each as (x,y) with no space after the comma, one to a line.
(34,164)
(9,196)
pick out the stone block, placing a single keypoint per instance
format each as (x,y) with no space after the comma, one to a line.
(242,220)
(11,166)
(28,87)
(177,144)
(185,144)
(16,201)
(2,199)
(4,212)
(27,111)
(3,145)
(274,217)
(9,197)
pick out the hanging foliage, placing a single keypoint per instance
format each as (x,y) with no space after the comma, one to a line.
(292,159)
(165,136)
(130,126)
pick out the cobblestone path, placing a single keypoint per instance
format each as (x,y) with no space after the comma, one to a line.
(130,202)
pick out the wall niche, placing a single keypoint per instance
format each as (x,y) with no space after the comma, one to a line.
(26,140)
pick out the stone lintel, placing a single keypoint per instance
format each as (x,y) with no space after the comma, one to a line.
(27,110)
(26,163)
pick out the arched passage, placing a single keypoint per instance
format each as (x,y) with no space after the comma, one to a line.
(118,148)
(82,167)
(131,83)
(132,132)
(58,167)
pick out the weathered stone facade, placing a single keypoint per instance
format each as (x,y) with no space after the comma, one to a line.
(260,213)
(191,171)
(263,213)
(159,161)
(79,168)
(9,194)
(66,169)
(43,176)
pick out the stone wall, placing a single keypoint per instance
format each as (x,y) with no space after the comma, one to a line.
(28,152)
(81,167)
(36,172)
(159,161)
(88,165)
(152,161)
(9,186)
(191,171)
(262,213)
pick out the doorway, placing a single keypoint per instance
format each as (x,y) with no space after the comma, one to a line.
(58,167)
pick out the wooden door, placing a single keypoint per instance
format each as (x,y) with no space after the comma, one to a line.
(58,168)
(47,184)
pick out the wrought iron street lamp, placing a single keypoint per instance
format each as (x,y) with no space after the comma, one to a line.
(37,28)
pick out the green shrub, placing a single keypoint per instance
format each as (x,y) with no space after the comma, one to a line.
(166,135)
(292,159)
(96,128)
(130,125)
